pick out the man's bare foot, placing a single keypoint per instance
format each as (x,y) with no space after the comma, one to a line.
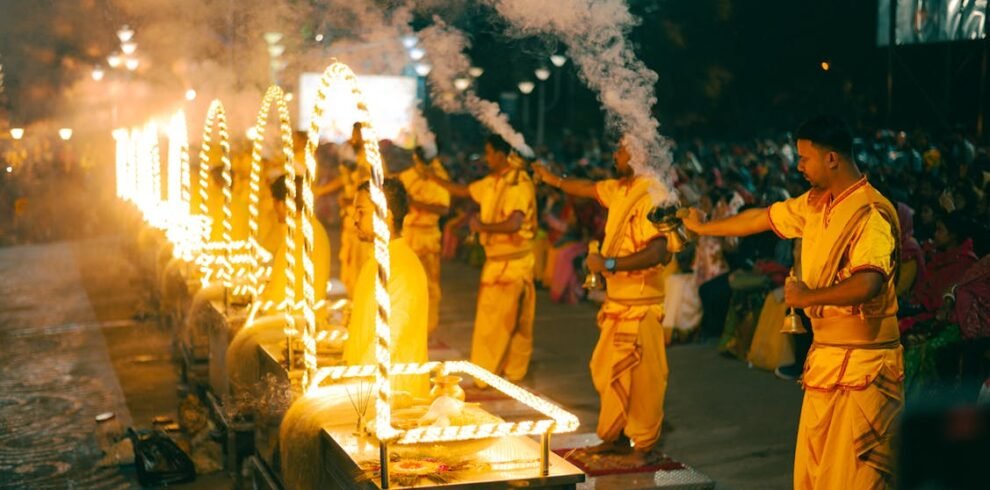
(618,446)
(637,458)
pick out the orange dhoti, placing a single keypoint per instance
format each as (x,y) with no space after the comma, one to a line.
(425,242)
(629,370)
(851,401)
(503,325)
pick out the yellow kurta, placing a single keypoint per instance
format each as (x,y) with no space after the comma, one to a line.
(353,252)
(629,364)
(274,290)
(503,324)
(408,320)
(853,377)
(421,229)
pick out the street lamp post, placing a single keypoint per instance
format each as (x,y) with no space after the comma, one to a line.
(526,87)
(542,74)
(558,61)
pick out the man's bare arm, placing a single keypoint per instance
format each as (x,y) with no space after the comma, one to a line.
(855,290)
(511,225)
(748,222)
(455,189)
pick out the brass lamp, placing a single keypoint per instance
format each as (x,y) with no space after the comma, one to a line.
(592,280)
(668,221)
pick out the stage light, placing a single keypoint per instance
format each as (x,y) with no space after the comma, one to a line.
(542,73)
(97,74)
(526,87)
(288,97)
(128,48)
(114,60)
(17,133)
(558,60)
(409,41)
(190,95)
(416,54)
(826,66)
(272,37)
(462,84)
(475,71)
(132,64)
(65,134)
(319,38)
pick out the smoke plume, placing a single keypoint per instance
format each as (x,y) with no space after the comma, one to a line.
(446,47)
(595,33)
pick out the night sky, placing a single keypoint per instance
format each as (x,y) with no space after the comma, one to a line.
(727,68)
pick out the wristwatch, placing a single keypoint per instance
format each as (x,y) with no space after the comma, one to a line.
(610,264)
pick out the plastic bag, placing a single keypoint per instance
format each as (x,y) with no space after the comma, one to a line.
(158,460)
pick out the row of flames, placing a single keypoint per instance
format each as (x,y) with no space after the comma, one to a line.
(240,265)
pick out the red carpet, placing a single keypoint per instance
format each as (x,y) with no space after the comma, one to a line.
(613,464)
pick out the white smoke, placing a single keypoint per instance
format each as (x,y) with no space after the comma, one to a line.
(489,114)
(595,33)
(446,47)
(421,131)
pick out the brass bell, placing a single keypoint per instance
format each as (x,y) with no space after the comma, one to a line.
(792,322)
(592,280)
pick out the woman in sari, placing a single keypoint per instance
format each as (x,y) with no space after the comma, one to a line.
(931,345)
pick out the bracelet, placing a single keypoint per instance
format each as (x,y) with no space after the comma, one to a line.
(950,293)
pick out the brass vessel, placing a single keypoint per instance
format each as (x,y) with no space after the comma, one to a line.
(667,220)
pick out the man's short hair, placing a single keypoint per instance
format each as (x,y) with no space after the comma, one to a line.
(280,192)
(398,200)
(498,144)
(830,132)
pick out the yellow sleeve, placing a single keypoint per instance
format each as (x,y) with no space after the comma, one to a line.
(480,189)
(605,189)
(520,197)
(440,196)
(874,249)
(787,217)
(406,177)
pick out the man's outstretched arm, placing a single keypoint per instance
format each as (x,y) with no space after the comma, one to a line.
(748,222)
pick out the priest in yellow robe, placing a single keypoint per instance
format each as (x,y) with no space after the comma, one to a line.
(629,363)
(274,291)
(503,326)
(853,376)
(427,203)
(407,292)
